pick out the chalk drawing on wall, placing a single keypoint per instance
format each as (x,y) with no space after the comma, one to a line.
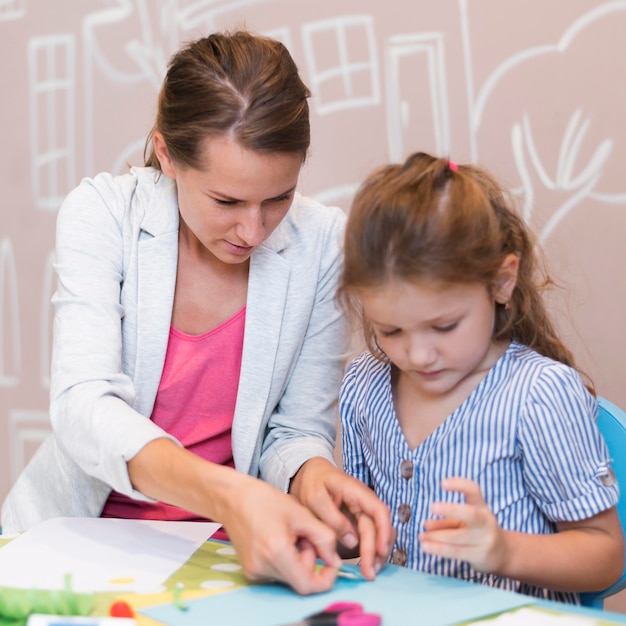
(561,175)
(282,34)
(192,14)
(51,75)
(10,348)
(12,10)
(27,429)
(416,116)
(579,185)
(340,195)
(47,314)
(350,78)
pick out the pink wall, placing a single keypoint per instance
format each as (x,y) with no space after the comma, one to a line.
(532,89)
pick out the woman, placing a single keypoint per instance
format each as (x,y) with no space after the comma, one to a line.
(198,292)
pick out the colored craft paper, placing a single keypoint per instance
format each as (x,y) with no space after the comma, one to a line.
(100,554)
(400,595)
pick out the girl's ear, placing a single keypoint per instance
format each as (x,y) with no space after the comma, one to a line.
(506,279)
(162,153)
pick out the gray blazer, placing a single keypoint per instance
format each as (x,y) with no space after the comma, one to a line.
(116,257)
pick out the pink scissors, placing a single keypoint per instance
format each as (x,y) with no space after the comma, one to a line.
(341,614)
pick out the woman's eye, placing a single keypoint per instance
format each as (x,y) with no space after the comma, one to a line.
(225,202)
(281,199)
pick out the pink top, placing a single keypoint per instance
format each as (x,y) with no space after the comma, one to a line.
(195,403)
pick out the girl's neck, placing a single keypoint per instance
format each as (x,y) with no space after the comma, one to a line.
(420,412)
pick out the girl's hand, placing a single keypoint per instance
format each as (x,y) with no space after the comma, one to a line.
(468,532)
(326,490)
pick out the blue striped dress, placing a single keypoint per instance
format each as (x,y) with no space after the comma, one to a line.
(526,434)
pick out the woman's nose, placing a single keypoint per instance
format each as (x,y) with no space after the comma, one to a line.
(252,227)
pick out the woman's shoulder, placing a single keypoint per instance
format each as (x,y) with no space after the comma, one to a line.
(309,220)
(108,184)
(126,196)
(312,209)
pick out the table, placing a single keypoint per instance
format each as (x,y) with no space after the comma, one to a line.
(215,591)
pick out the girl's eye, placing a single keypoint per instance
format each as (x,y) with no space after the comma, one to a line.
(389,333)
(447,328)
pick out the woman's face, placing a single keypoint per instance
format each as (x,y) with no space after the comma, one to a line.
(235,201)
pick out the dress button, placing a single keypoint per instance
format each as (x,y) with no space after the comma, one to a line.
(406,469)
(404,513)
(398,557)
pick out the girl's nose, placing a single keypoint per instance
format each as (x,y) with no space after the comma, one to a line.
(422,353)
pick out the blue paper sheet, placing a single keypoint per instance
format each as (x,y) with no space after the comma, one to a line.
(400,595)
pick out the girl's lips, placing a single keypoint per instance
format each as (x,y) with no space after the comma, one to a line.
(433,374)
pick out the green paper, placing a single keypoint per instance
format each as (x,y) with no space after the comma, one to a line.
(17,604)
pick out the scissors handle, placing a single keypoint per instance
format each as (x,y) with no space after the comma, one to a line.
(358,618)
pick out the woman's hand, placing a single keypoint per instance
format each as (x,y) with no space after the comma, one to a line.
(326,490)
(277,538)
(468,532)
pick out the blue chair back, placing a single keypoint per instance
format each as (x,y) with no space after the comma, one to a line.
(612,425)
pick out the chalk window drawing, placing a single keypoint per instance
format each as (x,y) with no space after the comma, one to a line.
(342,62)
(12,10)
(51,74)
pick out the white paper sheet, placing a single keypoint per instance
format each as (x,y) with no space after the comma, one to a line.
(101,554)
(537,617)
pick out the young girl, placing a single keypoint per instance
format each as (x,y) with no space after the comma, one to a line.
(467,415)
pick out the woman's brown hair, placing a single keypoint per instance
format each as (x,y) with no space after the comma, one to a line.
(426,219)
(234,83)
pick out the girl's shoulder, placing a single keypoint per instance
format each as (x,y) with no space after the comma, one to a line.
(366,371)
(366,383)
(538,379)
(530,363)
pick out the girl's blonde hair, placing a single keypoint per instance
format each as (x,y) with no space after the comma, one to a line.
(430,219)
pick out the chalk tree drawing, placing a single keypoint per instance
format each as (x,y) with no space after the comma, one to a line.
(580,185)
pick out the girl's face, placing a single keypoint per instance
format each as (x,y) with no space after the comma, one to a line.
(235,202)
(438,336)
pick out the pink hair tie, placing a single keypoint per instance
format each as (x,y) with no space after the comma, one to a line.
(453,166)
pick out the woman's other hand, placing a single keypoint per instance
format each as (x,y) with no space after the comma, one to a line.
(351,508)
